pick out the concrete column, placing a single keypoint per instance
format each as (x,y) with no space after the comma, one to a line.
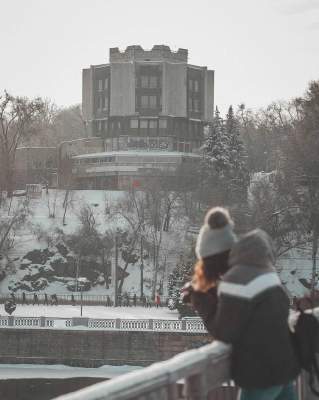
(183,325)
(42,321)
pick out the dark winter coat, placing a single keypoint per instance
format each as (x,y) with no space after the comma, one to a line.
(205,304)
(252,315)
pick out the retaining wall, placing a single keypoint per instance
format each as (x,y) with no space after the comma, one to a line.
(93,348)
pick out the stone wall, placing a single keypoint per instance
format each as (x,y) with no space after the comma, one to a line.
(93,349)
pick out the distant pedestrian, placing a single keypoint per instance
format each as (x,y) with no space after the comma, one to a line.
(157,300)
(24,301)
(143,299)
(35,299)
(148,302)
(108,301)
(134,299)
(72,299)
(54,299)
(119,300)
(46,301)
(13,297)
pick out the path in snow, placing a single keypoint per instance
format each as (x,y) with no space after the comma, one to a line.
(65,311)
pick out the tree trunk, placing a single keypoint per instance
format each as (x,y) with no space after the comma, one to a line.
(142,269)
(315,240)
(9,178)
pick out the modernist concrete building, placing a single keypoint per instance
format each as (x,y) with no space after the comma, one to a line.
(126,169)
(148,99)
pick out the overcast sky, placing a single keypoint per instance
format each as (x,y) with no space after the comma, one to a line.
(261,50)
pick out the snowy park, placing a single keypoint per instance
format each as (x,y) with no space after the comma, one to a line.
(64,311)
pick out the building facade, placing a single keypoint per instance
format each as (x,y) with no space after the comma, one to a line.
(35,165)
(121,170)
(148,100)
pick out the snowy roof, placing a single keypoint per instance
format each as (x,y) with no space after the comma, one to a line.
(138,153)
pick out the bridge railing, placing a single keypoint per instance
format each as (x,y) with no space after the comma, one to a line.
(202,370)
(191,325)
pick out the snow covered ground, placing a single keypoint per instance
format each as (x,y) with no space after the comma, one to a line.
(64,311)
(104,204)
(293,268)
(34,371)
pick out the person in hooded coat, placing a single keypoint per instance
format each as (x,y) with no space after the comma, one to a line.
(252,316)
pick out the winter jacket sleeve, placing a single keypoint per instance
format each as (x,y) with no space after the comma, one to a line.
(206,305)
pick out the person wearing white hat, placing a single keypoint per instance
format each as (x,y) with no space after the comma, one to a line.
(214,242)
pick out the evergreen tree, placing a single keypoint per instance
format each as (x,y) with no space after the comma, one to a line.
(238,172)
(216,146)
(181,274)
(225,162)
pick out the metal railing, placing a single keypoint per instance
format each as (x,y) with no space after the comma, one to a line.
(191,325)
(87,299)
(202,370)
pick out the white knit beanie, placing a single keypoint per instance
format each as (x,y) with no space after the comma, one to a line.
(216,235)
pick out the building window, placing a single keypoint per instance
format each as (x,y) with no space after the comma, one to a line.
(190,104)
(153,82)
(196,105)
(100,103)
(134,123)
(144,81)
(143,123)
(105,102)
(163,123)
(144,101)
(153,124)
(100,85)
(37,164)
(152,101)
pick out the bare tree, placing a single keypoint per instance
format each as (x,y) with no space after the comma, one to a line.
(10,223)
(67,203)
(52,197)
(18,119)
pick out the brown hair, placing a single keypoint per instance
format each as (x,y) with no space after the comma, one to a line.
(209,270)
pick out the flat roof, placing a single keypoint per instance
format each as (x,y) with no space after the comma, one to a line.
(137,153)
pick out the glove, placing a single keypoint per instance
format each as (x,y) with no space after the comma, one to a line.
(186,293)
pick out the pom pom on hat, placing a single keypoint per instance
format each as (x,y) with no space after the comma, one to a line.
(217,218)
(216,235)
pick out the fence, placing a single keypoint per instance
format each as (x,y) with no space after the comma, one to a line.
(87,299)
(203,370)
(191,325)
